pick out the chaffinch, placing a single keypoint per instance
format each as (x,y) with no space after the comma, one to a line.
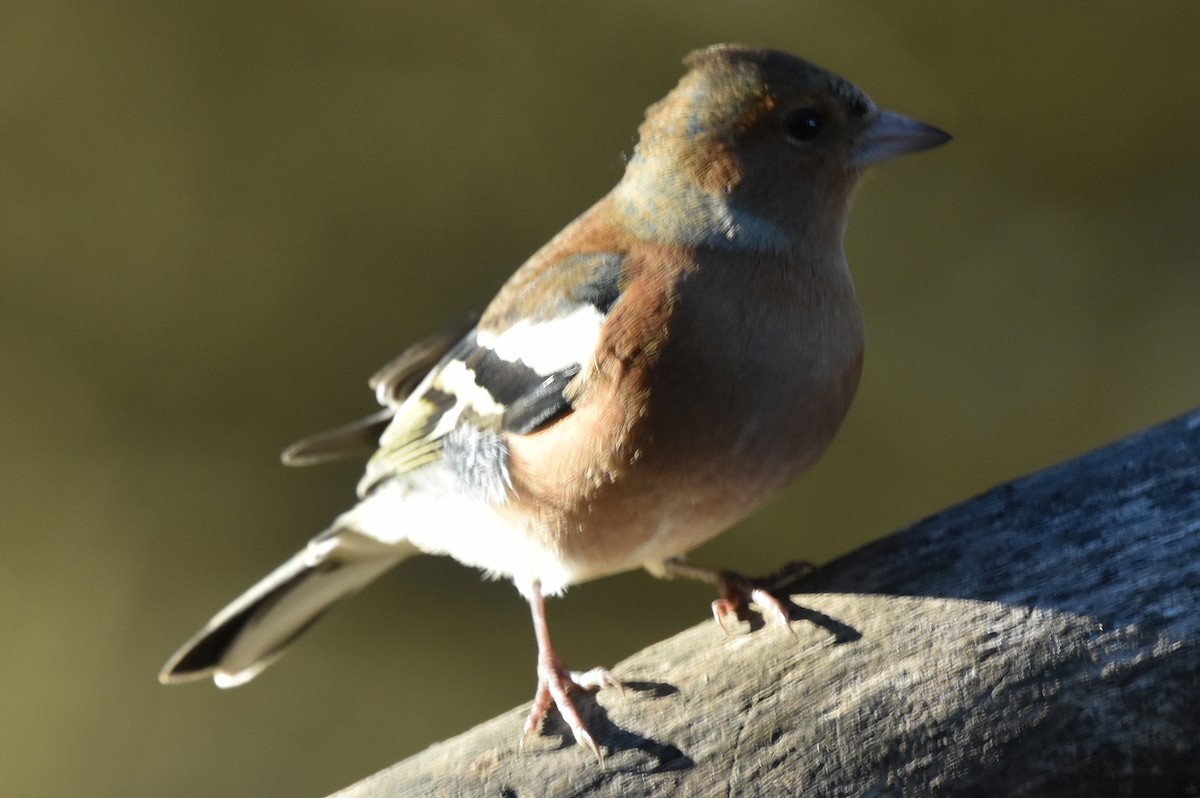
(653,374)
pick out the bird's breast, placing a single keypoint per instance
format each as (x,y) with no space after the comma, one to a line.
(749,377)
(759,368)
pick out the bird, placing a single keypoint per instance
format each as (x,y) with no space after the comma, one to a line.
(656,372)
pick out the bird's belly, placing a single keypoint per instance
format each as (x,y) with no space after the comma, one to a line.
(686,484)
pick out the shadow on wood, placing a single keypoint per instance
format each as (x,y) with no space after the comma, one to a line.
(1040,639)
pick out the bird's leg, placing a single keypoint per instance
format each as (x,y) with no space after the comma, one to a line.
(735,590)
(555,682)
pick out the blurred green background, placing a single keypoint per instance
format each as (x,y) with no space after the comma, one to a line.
(218,218)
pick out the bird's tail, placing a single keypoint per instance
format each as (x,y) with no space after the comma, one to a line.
(253,631)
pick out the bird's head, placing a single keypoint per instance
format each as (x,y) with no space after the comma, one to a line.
(758,149)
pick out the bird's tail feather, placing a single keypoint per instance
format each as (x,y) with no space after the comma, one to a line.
(253,631)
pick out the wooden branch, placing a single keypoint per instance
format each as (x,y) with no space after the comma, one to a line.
(1040,639)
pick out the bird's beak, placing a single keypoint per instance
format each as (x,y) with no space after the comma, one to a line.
(890,135)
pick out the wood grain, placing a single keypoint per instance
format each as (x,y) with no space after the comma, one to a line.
(1039,639)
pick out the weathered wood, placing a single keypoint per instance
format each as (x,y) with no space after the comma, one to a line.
(1040,639)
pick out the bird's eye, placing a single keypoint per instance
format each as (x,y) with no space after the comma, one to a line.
(803,124)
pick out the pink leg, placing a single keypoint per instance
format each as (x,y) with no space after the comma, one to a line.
(555,682)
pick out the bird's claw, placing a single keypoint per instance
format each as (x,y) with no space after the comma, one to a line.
(737,591)
(554,685)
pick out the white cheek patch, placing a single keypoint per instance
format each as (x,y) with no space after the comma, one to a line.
(549,346)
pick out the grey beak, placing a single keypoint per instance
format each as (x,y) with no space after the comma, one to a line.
(890,135)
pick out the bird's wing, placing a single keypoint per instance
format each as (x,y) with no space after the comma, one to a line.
(508,376)
(396,380)
(392,385)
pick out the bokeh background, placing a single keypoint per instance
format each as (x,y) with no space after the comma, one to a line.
(217,218)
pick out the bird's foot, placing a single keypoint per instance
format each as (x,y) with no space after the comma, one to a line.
(737,591)
(554,686)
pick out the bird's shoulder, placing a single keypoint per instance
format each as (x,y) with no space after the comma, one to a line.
(529,360)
